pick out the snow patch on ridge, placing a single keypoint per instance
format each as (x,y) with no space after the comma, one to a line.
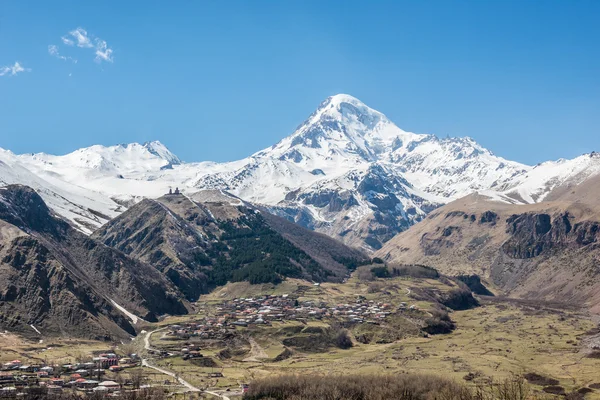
(134,318)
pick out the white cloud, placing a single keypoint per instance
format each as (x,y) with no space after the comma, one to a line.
(103,52)
(79,37)
(53,51)
(13,69)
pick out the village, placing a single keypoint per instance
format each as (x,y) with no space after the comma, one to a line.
(244,312)
(112,375)
(18,379)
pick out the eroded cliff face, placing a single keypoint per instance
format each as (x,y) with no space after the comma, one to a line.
(36,289)
(550,256)
(532,235)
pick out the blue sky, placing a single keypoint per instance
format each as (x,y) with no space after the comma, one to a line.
(219,80)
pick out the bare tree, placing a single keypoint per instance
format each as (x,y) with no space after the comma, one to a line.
(136,376)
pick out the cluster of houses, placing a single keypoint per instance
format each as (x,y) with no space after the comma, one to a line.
(267,309)
(17,378)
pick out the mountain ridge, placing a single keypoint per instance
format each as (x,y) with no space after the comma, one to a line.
(545,251)
(346,171)
(205,240)
(67,283)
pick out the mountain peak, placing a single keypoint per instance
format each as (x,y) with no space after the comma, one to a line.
(344,98)
(160,150)
(345,107)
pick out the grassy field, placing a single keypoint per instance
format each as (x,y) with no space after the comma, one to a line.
(499,339)
(57,350)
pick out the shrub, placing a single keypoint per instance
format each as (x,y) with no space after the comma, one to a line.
(375,287)
(594,354)
(284,355)
(439,323)
(536,379)
(364,274)
(379,387)
(575,396)
(459,299)
(510,389)
(594,385)
(224,354)
(380,272)
(343,340)
(554,389)
(415,271)
(317,387)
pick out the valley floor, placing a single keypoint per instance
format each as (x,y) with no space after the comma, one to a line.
(499,339)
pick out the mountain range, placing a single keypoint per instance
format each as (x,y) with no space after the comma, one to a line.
(347,171)
(100,238)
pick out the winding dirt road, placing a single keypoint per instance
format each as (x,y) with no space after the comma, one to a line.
(256,352)
(146,363)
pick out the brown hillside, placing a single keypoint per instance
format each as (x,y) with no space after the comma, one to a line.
(547,251)
(64,283)
(210,238)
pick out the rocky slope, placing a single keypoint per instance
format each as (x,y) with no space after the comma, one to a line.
(548,250)
(347,171)
(56,280)
(207,239)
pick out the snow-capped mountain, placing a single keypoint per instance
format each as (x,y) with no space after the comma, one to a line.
(350,172)
(541,181)
(87,209)
(347,171)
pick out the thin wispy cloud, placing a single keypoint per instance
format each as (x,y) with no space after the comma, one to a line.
(13,70)
(53,51)
(79,37)
(67,41)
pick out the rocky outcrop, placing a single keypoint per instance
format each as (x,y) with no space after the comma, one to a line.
(488,217)
(532,235)
(334,201)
